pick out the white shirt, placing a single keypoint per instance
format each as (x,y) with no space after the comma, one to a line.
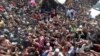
(59,54)
(71,49)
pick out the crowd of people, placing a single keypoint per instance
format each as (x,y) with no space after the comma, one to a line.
(28,28)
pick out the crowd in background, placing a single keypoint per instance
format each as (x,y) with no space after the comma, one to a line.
(48,29)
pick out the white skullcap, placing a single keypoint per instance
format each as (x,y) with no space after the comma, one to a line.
(30,33)
(2,36)
(11,15)
(60,1)
(67,30)
(80,26)
(23,21)
(27,22)
(19,28)
(6,30)
(24,18)
(14,43)
(57,50)
(48,44)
